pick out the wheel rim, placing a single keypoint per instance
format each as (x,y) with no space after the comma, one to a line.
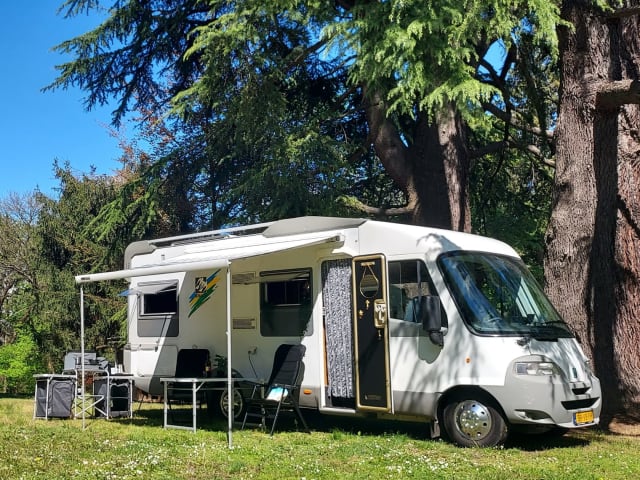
(472,419)
(237,403)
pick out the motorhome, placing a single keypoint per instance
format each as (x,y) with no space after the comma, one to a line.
(398,321)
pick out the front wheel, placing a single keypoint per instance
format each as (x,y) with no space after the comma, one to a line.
(469,422)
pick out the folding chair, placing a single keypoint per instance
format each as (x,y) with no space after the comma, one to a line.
(282,390)
(190,363)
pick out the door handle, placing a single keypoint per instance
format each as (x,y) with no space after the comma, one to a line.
(379,313)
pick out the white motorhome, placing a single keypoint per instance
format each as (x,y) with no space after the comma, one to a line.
(398,321)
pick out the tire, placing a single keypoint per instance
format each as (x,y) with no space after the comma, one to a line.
(469,422)
(220,405)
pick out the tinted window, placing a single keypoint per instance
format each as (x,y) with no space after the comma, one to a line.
(165,301)
(285,303)
(158,310)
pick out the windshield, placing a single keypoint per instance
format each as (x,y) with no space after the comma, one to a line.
(498,295)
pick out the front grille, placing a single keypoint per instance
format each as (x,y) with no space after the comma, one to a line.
(580,391)
(579,404)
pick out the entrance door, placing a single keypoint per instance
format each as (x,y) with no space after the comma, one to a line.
(371,333)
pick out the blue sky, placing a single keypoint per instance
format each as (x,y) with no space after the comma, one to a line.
(37,127)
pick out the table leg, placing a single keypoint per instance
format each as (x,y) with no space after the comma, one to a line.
(194,404)
(165,404)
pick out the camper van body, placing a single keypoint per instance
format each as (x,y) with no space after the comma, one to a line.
(344,288)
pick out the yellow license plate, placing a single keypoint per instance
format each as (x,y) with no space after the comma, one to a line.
(580,418)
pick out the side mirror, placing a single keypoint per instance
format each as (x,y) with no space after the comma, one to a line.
(431,318)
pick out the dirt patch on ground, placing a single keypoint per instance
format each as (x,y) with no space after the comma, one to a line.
(626,425)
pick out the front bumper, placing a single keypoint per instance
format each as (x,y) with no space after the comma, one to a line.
(549,400)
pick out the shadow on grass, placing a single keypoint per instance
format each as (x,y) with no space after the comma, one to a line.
(362,426)
(152,414)
(420,431)
(541,441)
(366,425)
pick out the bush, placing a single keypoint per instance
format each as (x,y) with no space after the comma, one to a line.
(19,361)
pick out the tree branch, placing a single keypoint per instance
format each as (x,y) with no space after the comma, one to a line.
(378,211)
(487,149)
(612,95)
(386,140)
(496,79)
(624,12)
(502,115)
(497,146)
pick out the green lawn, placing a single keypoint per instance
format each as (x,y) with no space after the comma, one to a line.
(336,449)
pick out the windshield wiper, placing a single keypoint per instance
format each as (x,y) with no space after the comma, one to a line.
(552,323)
(546,332)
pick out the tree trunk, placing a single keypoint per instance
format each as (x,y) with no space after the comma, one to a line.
(432,170)
(592,264)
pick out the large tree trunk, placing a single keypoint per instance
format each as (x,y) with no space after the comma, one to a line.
(432,170)
(592,264)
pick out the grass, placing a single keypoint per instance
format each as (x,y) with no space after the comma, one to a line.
(337,448)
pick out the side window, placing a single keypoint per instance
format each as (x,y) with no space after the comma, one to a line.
(158,309)
(285,303)
(408,281)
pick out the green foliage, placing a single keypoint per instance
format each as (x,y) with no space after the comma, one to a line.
(19,361)
(425,56)
(48,242)
(512,202)
(263,99)
(255,132)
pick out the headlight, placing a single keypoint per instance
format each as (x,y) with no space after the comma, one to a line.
(536,368)
(588,367)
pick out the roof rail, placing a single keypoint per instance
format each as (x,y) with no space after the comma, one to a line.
(211,235)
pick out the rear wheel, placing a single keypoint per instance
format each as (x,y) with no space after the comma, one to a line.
(469,422)
(221,404)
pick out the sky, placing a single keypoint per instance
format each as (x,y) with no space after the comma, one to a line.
(38,127)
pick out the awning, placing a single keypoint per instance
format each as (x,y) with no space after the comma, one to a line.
(152,289)
(207,260)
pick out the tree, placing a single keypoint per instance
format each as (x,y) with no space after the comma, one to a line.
(68,246)
(513,150)
(19,356)
(18,218)
(401,76)
(592,265)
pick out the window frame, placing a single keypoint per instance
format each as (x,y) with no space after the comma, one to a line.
(284,316)
(152,324)
(396,267)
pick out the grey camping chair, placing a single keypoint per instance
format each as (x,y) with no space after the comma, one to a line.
(281,392)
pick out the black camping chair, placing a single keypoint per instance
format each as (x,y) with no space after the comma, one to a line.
(281,392)
(190,363)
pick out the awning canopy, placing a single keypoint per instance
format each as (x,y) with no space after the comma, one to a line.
(211,259)
(152,289)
